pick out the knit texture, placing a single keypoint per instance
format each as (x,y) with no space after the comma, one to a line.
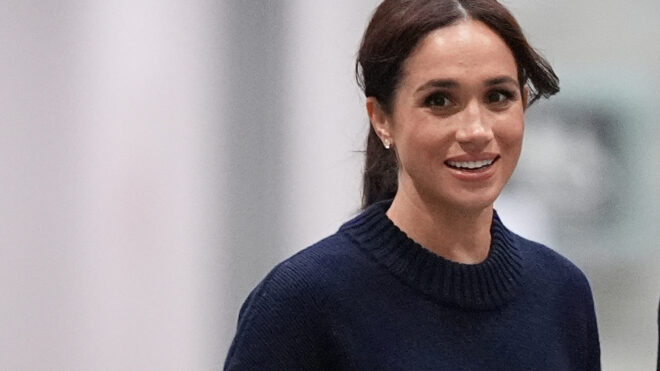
(370,298)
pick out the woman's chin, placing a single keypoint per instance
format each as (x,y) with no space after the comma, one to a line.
(471,201)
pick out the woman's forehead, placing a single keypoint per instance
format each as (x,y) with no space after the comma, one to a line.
(464,49)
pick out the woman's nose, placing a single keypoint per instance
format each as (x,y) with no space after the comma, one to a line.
(474,132)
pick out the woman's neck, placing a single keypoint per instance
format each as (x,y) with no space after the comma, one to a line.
(455,234)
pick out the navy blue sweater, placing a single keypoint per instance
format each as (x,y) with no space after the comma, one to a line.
(370,298)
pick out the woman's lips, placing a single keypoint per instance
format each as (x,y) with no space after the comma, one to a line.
(472,168)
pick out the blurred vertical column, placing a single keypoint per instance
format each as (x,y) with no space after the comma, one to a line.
(254,138)
(110,166)
(40,150)
(327,120)
(149,196)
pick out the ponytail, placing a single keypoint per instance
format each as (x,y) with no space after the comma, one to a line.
(380,172)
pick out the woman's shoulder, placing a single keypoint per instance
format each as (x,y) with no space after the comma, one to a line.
(547,263)
(282,319)
(305,277)
(319,263)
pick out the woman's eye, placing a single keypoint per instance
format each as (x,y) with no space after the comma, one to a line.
(437,100)
(499,96)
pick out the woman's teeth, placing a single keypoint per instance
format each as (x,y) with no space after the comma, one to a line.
(470,164)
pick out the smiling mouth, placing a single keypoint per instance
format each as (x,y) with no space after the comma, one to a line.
(471,165)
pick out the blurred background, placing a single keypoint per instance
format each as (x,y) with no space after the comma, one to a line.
(158,158)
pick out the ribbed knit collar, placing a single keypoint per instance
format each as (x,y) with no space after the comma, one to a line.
(486,285)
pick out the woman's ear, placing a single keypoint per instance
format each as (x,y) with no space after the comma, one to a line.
(380,121)
(525,97)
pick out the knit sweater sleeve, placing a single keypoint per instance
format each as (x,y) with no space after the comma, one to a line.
(280,325)
(580,298)
(593,344)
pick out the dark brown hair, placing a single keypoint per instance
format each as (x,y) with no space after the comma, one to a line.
(394,31)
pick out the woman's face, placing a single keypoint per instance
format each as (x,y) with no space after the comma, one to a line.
(457,118)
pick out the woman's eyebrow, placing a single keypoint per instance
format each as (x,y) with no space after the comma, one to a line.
(439,83)
(500,80)
(449,83)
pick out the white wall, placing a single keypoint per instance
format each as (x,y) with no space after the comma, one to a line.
(109,161)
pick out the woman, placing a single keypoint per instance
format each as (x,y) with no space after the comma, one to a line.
(428,277)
